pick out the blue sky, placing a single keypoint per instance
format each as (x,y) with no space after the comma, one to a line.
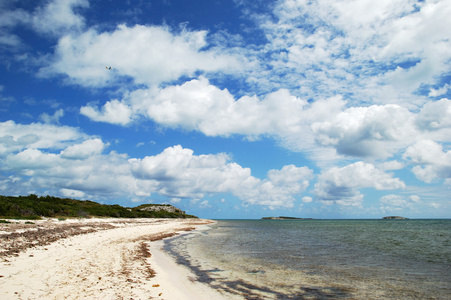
(230,109)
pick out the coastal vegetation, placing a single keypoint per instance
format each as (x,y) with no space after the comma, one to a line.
(35,207)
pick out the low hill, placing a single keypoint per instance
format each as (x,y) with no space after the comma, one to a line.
(34,207)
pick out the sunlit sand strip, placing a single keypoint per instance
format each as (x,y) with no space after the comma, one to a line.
(113,262)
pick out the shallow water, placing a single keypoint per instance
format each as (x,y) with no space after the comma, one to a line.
(322,259)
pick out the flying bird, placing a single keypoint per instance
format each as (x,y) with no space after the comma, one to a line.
(108,68)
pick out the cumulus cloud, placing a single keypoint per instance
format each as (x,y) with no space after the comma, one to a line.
(324,129)
(113,112)
(84,150)
(182,174)
(431,160)
(341,185)
(16,137)
(435,119)
(375,131)
(279,189)
(81,168)
(147,54)
(438,92)
(380,131)
(198,105)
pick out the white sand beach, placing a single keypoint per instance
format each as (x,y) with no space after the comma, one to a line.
(95,259)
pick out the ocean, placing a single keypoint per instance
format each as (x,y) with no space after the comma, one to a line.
(321,259)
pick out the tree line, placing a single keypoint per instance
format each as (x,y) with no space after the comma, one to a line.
(35,207)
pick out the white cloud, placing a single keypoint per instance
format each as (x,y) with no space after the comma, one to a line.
(113,112)
(307,199)
(435,205)
(84,150)
(57,17)
(179,173)
(72,193)
(81,169)
(147,54)
(375,131)
(9,19)
(432,162)
(204,204)
(380,131)
(198,105)
(341,184)
(426,152)
(392,202)
(17,137)
(279,189)
(175,200)
(422,35)
(55,118)
(97,177)
(307,87)
(393,47)
(439,91)
(435,118)
(323,129)
(30,161)
(379,52)
(391,165)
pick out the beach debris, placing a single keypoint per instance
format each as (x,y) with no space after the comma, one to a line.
(155,285)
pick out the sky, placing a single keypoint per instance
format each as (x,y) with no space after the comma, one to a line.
(230,109)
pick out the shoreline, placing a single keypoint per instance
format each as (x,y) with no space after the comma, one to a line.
(178,282)
(96,259)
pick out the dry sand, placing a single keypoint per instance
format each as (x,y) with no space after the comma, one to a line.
(95,259)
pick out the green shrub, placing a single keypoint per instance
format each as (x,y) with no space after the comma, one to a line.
(33,207)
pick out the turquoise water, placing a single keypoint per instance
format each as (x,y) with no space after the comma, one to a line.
(322,259)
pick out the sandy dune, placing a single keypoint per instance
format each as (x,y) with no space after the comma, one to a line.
(95,259)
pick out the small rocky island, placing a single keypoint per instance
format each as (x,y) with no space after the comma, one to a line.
(394,218)
(285,218)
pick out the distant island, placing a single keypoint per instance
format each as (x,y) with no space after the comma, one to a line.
(285,218)
(394,218)
(34,207)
